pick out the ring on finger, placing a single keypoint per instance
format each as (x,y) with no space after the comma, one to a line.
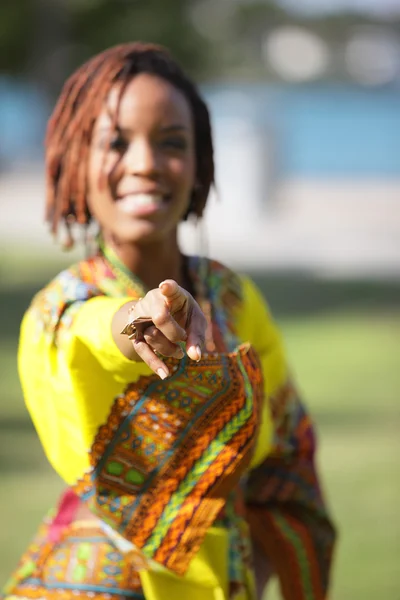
(140,324)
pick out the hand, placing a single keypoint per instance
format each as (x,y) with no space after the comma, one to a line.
(177,318)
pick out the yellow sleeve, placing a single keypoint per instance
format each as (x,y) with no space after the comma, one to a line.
(255,324)
(69,387)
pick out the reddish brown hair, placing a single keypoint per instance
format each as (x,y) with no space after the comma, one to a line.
(70,127)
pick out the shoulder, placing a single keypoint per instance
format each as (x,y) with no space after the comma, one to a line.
(75,283)
(224,279)
(239,286)
(249,307)
(71,286)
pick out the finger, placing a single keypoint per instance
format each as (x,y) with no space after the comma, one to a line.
(158,342)
(173,293)
(165,322)
(155,305)
(147,355)
(196,332)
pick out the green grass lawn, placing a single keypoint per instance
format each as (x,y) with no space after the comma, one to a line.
(346,359)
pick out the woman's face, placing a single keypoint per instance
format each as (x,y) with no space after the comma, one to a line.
(148,159)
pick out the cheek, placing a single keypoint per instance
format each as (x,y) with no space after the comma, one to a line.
(182,171)
(100,175)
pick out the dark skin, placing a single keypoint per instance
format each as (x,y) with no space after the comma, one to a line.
(149,160)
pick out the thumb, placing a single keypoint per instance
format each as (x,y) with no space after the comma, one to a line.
(174,295)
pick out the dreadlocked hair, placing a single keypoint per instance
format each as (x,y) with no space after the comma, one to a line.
(70,127)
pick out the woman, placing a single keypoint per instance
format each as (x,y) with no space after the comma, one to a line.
(157,382)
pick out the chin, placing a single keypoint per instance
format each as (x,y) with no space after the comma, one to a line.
(143,234)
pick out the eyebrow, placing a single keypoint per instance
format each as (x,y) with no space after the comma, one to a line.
(127,131)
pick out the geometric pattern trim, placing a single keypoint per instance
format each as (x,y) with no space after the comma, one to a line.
(163,464)
(84,563)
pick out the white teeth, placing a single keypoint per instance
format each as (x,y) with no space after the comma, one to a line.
(132,201)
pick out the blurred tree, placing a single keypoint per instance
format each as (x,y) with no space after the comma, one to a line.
(50,44)
(47,39)
(15,29)
(102,23)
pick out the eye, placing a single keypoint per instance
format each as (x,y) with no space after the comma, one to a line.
(176,143)
(118,143)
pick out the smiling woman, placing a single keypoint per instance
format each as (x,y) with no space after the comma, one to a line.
(150,161)
(187,455)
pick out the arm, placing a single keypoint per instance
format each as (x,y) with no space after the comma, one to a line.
(71,370)
(290,526)
(73,362)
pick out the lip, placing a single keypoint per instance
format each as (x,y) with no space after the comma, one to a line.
(136,191)
(142,203)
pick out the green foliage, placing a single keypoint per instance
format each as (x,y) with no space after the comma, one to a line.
(81,29)
(15,34)
(48,39)
(108,23)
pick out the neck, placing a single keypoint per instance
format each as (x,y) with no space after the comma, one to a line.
(152,263)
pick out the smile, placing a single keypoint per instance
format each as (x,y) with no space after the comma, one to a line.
(135,204)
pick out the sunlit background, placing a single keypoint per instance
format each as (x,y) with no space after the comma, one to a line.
(305,104)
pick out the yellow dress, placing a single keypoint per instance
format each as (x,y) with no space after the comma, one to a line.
(72,374)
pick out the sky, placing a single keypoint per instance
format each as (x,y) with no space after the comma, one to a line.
(377,7)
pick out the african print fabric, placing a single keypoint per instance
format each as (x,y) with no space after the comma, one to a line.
(84,563)
(279,503)
(171,451)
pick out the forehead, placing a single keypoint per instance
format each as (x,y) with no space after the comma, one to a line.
(147,101)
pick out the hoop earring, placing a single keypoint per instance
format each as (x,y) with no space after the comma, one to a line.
(91,239)
(68,242)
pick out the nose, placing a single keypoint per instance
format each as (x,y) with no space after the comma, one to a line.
(141,158)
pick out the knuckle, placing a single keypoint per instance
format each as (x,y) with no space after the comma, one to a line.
(160,317)
(153,362)
(174,335)
(139,347)
(151,333)
(149,298)
(170,351)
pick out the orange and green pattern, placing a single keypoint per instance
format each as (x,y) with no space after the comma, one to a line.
(171,452)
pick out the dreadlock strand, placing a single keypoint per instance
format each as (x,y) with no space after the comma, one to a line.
(66,169)
(53,177)
(76,85)
(80,151)
(81,191)
(70,137)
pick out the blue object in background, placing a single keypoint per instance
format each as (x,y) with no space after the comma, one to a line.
(314,131)
(23,115)
(322,130)
(343,132)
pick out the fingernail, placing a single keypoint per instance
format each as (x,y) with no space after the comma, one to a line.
(198,352)
(161,373)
